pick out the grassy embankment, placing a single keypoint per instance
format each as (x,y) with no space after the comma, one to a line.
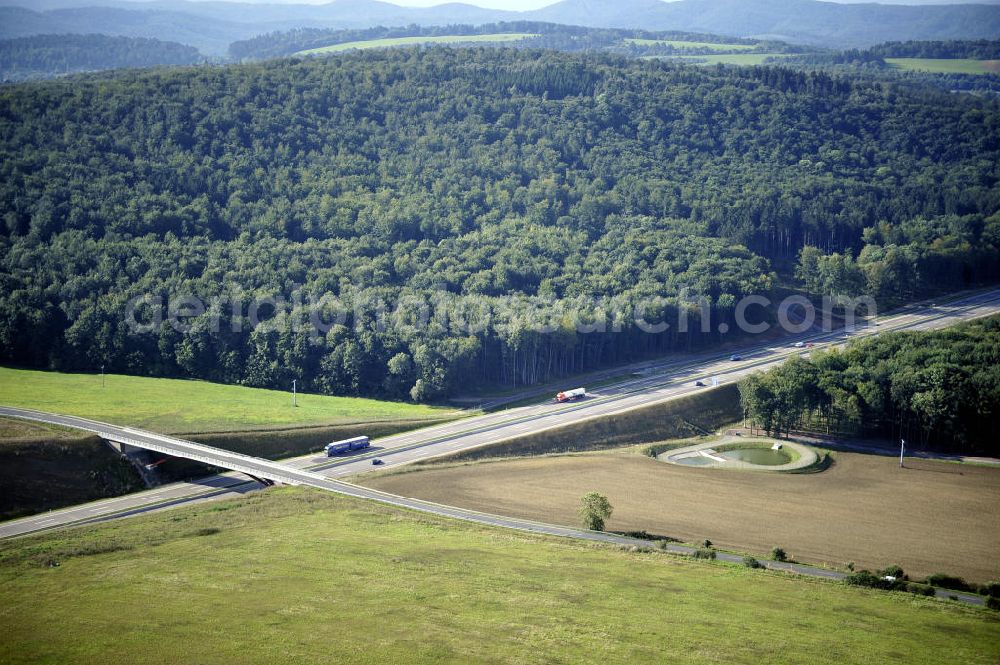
(929,517)
(299,575)
(44,467)
(946,66)
(686,416)
(412,41)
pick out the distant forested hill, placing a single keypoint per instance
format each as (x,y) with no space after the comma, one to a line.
(433,173)
(186,23)
(829,24)
(962,65)
(978,49)
(211,26)
(633,42)
(45,56)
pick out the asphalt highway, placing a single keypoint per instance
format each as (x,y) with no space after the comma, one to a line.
(321,482)
(660,382)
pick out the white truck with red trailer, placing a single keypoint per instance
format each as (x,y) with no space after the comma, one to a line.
(571,395)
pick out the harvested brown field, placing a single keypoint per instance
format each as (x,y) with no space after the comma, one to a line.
(929,517)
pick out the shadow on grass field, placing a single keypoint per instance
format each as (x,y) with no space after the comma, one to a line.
(296,575)
(43,474)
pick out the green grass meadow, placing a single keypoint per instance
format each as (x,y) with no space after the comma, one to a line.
(411,41)
(745,59)
(296,575)
(712,46)
(946,66)
(177,405)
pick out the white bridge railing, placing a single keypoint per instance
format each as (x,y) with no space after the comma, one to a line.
(254,468)
(167,445)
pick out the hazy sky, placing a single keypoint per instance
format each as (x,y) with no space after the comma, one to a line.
(521,5)
(535,4)
(515,5)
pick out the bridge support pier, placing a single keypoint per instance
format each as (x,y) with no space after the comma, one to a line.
(136,457)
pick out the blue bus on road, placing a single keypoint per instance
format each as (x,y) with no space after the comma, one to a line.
(337,447)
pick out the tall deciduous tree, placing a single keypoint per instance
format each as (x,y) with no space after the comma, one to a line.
(595,511)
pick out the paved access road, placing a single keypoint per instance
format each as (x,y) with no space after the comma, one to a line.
(319,481)
(661,382)
(664,382)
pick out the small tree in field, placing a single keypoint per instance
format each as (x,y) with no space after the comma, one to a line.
(595,510)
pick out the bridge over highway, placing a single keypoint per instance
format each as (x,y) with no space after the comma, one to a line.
(283,473)
(665,381)
(290,475)
(660,382)
(255,467)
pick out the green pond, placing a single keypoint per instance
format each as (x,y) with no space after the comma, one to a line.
(697,460)
(762,456)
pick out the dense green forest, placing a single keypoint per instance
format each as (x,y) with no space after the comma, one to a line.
(899,262)
(939,389)
(978,49)
(868,62)
(45,56)
(871,63)
(485,173)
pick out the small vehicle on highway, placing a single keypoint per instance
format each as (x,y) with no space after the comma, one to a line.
(376,462)
(700,384)
(736,356)
(799,345)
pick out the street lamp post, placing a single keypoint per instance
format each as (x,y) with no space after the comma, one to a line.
(902,447)
(293,393)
